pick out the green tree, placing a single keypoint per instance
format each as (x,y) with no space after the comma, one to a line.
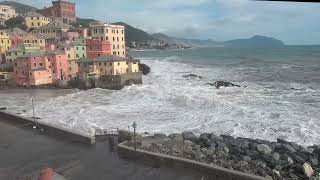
(16,22)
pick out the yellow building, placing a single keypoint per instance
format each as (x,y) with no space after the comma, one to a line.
(115,34)
(6,12)
(108,65)
(5,42)
(34,19)
(32,40)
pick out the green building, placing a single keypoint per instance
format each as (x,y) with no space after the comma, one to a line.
(80,47)
(19,50)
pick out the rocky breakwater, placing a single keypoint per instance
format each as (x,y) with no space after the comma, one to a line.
(273,160)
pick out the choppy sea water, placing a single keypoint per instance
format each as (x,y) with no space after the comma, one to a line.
(281,100)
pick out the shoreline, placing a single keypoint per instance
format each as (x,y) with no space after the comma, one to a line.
(273,160)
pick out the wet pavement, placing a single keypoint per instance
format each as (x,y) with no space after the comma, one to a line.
(24,152)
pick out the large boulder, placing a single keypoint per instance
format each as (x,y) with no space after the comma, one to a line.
(307,170)
(190,136)
(193,76)
(219,84)
(264,149)
(145,69)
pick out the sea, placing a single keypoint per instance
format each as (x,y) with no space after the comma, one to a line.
(279,96)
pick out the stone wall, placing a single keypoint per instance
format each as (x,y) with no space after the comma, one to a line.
(118,82)
(160,160)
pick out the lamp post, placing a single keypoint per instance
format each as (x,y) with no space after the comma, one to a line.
(134,125)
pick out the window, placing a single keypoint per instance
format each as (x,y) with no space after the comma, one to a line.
(118,64)
(122,39)
(40,64)
(114,38)
(53,71)
(99,64)
(117,38)
(77,55)
(83,55)
(68,55)
(122,31)
(82,48)
(35,64)
(127,63)
(32,24)
(105,64)
(77,48)
(16,64)
(39,24)
(110,64)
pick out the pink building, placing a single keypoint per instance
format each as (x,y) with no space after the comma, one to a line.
(59,66)
(33,69)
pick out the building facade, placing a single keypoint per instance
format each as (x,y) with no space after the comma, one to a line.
(19,50)
(51,29)
(32,69)
(5,42)
(96,48)
(36,40)
(59,65)
(114,34)
(34,19)
(80,47)
(16,36)
(107,65)
(6,12)
(61,11)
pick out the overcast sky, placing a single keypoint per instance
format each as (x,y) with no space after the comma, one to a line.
(294,23)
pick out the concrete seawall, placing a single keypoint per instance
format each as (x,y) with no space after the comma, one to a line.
(49,129)
(159,160)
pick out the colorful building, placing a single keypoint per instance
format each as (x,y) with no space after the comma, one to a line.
(32,69)
(5,42)
(16,36)
(6,12)
(107,65)
(114,34)
(71,58)
(33,19)
(35,40)
(51,29)
(58,63)
(19,50)
(80,47)
(96,48)
(61,11)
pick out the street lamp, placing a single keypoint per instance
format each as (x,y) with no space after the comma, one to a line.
(134,125)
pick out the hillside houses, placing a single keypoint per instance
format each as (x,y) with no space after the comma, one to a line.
(51,50)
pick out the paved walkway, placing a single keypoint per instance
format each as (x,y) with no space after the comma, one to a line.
(24,152)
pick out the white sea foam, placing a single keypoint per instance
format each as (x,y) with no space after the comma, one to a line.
(168,103)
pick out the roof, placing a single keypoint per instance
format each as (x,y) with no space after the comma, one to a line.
(33,14)
(35,36)
(33,54)
(56,52)
(111,58)
(16,32)
(54,26)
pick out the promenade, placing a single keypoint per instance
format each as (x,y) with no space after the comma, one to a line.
(24,152)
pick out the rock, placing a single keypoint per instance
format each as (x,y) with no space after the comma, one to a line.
(277,173)
(219,84)
(190,136)
(288,148)
(3,108)
(246,158)
(263,148)
(124,135)
(144,68)
(276,156)
(188,143)
(245,145)
(269,177)
(173,135)
(243,163)
(159,135)
(307,170)
(290,160)
(205,139)
(215,137)
(313,161)
(226,150)
(192,76)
